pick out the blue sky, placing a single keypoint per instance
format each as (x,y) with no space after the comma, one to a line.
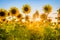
(35,5)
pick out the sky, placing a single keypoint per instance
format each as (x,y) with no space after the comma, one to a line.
(35,5)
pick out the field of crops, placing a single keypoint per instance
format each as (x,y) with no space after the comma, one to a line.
(13,26)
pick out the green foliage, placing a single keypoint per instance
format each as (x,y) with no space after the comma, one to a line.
(4,35)
(20,32)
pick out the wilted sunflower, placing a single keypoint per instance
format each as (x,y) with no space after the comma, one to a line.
(26,9)
(14,11)
(3,13)
(43,16)
(47,8)
(36,14)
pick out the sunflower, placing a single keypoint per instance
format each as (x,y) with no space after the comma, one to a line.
(13,11)
(26,9)
(8,14)
(3,20)
(58,16)
(19,17)
(27,18)
(36,14)
(43,16)
(3,13)
(58,10)
(49,20)
(47,8)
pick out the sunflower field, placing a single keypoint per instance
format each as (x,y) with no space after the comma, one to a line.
(13,26)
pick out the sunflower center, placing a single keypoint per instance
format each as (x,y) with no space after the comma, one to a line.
(3,19)
(13,11)
(8,14)
(59,10)
(46,9)
(27,17)
(26,9)
(2,14)
(19,16)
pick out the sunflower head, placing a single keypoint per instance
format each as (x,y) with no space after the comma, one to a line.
(47,8)
(8,14)
(19,16)
(26,9)
(58,10)
(36,14)
(13,11)
(3,20)
(43,16)
(27,18)
(3,13)
(49,20)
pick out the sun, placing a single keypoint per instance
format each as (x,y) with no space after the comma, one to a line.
(26,9)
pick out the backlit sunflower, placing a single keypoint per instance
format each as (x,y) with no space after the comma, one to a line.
(19,17)
(58,10)
(14,11)
(49,20)
(27,18)
(3,13)
(8,14)
(43,16)
(36,14)
(4,20)
(58,16)
(26,9)
(47,8)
